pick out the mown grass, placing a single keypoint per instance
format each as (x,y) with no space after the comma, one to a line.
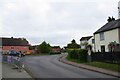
(108,66)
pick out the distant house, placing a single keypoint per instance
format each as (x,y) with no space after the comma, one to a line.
(84,41)
(91,42)
(33,49)
(14,44)
(110,32)
(56,49)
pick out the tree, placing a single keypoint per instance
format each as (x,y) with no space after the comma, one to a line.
(114,46)
(44,47)
(73,45)
(24,40)
(73,41)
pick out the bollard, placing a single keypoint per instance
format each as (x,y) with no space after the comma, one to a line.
(9,59)
(4,58)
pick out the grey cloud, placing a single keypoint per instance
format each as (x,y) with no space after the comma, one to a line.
(55,22)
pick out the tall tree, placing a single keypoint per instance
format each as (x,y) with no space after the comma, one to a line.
(73,41)
(44,47)
(73,45)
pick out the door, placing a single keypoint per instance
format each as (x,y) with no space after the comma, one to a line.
(103,48)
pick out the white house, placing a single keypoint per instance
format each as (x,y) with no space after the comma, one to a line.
(91,42)
(85,41)
(110,32)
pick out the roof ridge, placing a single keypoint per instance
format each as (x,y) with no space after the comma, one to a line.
(108,26)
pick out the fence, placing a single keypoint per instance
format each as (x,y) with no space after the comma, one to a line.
(110,57)
(14,60)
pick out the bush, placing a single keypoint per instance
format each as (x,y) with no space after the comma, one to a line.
(79,54)
(73,54)
(83,55)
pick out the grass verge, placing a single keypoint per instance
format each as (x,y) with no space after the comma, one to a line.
(108,66)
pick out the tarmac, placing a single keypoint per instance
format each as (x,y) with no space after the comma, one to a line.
(7,71)
(84,66)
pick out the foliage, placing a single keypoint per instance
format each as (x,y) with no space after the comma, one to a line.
(89,47)
(83,55)
(84,44)
(73,45)
(31,47)
(44,47)
(73,60)
(79,54)
(114,46)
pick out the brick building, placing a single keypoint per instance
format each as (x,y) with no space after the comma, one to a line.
(14,44)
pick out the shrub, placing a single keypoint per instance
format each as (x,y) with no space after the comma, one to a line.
(83,55)
(80,54)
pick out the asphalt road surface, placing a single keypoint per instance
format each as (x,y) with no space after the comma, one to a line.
(50,67)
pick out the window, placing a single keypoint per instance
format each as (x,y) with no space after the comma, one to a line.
(93,41)
(102,36)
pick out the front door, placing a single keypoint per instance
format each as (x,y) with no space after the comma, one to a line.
(103,48)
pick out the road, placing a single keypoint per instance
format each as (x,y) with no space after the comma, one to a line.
(50,67)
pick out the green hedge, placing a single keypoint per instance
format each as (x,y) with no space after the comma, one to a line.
(79,54)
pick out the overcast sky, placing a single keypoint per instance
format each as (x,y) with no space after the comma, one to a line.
(54,21)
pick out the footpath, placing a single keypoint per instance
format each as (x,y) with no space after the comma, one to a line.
(8,71)
(96,69)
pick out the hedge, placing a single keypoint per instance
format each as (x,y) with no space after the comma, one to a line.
(80,54)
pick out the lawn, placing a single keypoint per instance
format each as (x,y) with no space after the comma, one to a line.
(113,67)
(108,66)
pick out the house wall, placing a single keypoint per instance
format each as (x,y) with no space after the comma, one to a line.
(15,48)
(90,42)
(56,50)
(82,42)
(109,36)
(119,34)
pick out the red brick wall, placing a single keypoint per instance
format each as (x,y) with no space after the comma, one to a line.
(15,48)
(56,49)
